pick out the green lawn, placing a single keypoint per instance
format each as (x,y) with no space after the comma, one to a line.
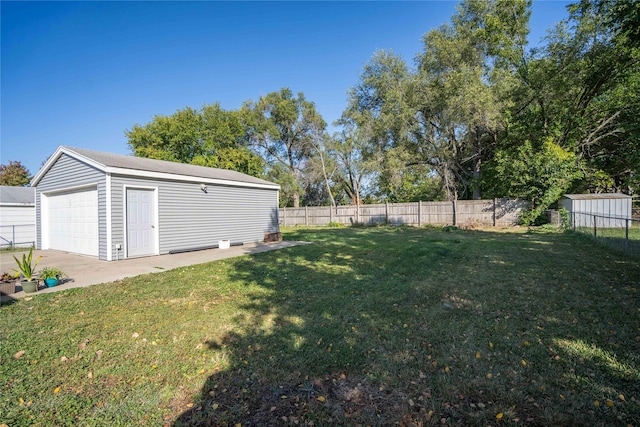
(366,326)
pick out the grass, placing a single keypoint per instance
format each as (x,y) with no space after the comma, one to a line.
(617,238)
(366,326)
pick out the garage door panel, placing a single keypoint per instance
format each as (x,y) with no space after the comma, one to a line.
(73,222)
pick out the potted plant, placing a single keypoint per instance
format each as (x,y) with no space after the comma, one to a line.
(8,283)
(51,275)
(27,270)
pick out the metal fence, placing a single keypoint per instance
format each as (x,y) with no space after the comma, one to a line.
(493,212)
(12,236)
(617,232)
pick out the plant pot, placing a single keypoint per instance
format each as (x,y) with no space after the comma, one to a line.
(7,288)
(29,287)
(51,282)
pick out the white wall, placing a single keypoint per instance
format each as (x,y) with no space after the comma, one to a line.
(23,220)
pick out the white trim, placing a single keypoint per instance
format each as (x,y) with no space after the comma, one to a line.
(188,178)
(141,173)
(70,189)
(18,205)
(55,156)
(108,217)
(156,217)
(44,222)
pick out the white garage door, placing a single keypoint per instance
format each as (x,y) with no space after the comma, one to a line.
(73,222)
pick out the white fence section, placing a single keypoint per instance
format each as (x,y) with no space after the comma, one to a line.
(494,212)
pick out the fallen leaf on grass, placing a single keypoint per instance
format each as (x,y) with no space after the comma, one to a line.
(499,416)
(609,403)
(320,398)
(56,390)
(621,397)
(19,354)
(596,403)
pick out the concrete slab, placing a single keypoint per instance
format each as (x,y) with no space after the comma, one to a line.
(86,270)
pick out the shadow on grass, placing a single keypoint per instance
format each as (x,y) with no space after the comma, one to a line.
(384,326)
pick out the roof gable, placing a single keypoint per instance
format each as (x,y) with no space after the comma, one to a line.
(152,168)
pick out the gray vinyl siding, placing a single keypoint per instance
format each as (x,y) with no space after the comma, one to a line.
(190,218)
(67,173)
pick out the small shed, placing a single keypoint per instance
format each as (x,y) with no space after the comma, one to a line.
(115,206)
(17,216)
(608,210)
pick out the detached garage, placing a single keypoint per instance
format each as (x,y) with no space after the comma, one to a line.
(114,206)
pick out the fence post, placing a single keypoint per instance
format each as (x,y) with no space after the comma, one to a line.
(420,213)
(454,212)
(284,216)
(330,214)
(13,236)
(386,212)
(306,216)
(626,234)
(357,213)
(495,203)
(595,227)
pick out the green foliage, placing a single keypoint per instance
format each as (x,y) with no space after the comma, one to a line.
(26,266)
(211,137)
(14,174)
(289,187)
(565,218)
(51,273)
(285,128)
(539,174)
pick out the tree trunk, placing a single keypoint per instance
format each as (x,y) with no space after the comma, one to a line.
(477,161)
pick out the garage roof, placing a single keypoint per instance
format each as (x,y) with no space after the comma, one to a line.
(17,195)
(597,196)
(143,167)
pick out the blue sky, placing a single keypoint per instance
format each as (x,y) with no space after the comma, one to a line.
(81,73)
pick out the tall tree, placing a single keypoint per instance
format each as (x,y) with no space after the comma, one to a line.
(376,123)
(210,136)
(284,129)
(459,93)
(14,174)
(581,92)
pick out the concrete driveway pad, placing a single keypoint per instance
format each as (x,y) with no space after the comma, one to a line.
(85,270)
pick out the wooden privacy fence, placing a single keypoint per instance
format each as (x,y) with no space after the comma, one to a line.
(495,212)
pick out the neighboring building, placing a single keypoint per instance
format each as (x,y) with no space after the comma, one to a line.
(115,206)
(17,216)
(607,210)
